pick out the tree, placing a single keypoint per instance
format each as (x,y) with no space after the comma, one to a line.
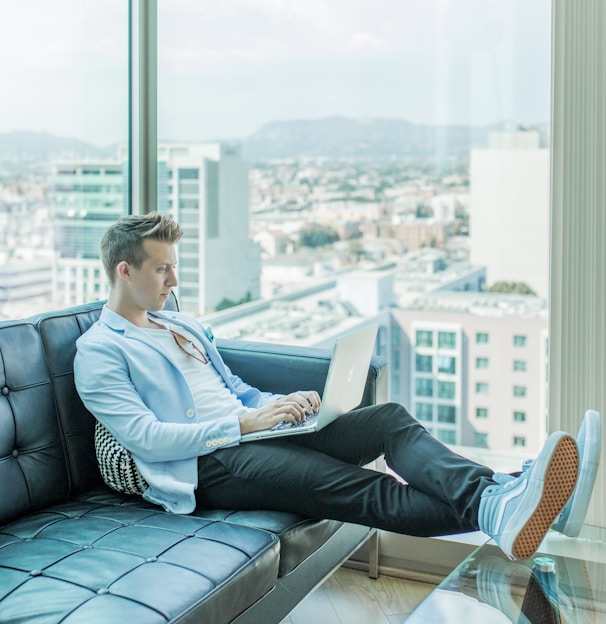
(517,288)
(226,303)
(317,236)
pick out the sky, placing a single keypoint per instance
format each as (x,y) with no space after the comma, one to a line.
(226,68)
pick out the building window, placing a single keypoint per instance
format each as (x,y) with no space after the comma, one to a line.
(446,389)
(519,416)
(189,174)
(446,364)
(481,388)
(481,412)
(481,338)
(480,440)
(446,436)
(482,362)
(424,411)
(447,340)
(519,441)
(424,363)
(519,341)
(447,413)
(424,387)
(519,365)
(519,391)
(424,338)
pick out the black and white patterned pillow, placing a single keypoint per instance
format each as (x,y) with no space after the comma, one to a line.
(116,464)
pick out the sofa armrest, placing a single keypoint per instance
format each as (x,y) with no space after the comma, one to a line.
(282,369)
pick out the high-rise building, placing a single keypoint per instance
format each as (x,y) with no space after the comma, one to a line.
(204,186)
(219,265)
(509,210)
(85,198)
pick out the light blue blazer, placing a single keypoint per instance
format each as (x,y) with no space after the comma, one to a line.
(138,392)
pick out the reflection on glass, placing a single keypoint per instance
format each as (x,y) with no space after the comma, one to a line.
(547,589)
(333,163)
(394,153)
(63,114)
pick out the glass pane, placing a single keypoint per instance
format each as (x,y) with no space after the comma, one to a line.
(424,411)
(424,387)
(63,136)
(447,340)
(424,338)
(369,161)
(446,389)
(481,388)
(446,364)
(482,338)
(424,363)
(447,413)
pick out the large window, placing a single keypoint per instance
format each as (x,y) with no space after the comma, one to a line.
(342,137)
(332,164)
(63,137)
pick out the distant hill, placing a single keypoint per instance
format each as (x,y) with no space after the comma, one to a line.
(341,137)
(26,146)
(331,137)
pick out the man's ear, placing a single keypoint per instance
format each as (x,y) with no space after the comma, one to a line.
(123,270)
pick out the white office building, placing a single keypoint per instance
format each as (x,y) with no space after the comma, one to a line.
(509,210)
(207,189)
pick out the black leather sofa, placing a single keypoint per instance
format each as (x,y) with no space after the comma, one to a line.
(74,551)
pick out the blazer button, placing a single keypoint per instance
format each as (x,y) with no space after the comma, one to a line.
(190,413)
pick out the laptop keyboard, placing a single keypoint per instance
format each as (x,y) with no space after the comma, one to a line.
(310,420)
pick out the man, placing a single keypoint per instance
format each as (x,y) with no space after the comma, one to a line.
(156,381)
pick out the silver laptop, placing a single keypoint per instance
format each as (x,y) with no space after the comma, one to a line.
(344,386)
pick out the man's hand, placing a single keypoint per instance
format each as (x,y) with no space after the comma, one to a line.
(309,400)
(292,408)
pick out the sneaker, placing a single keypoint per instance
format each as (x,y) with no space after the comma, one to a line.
(518,513)
(589,441)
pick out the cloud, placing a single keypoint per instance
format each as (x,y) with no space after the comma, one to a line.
(366,40)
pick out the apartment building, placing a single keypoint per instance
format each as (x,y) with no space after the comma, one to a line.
(477,367)
(204,186)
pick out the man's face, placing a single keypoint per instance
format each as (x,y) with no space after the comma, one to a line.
(150,285)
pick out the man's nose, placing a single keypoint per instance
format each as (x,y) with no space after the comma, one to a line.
(171,278)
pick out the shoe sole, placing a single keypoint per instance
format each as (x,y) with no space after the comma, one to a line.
(559,482)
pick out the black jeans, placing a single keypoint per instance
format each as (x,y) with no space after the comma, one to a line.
(320,475)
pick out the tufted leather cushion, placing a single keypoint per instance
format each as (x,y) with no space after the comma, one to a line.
(59,332)
(33,472)
(109,561)
(299,537)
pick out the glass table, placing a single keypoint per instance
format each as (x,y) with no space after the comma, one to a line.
(565,582)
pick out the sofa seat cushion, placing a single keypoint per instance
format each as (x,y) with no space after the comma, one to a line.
(299,537)
(112,561)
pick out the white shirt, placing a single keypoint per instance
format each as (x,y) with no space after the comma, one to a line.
(213,399)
